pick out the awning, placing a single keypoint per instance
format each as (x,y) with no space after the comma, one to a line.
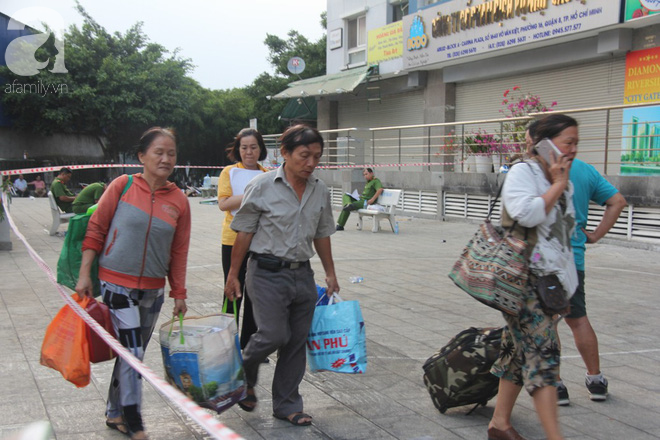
(300,109)
(342,82)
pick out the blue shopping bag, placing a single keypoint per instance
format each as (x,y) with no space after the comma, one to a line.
(323,298)
(337,341)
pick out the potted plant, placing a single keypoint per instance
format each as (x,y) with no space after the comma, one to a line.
(481,145)
(502,154)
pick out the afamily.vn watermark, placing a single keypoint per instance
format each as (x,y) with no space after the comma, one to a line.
(36,88)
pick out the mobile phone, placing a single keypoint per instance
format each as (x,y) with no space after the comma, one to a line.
(545,148)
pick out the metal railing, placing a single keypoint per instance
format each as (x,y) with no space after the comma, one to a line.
(612,145)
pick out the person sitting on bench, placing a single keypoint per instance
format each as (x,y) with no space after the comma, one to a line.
(370,194)
(39,187)
(21,186)
(63,197)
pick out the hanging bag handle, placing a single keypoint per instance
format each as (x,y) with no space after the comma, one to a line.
(492,207)
(492,204)
(182,340)
(334,298)
(225,306)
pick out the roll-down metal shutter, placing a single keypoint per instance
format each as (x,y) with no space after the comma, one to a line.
(593,84)
(385,146)
(391,110)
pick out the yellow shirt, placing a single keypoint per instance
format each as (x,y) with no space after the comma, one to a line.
(224,190)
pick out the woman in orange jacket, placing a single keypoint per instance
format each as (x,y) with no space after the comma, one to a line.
(141,234)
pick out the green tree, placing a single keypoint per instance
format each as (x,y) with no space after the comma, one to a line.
(265,109)
(117,85)
(216,117)
(265,85)
(120,84)
(297,45)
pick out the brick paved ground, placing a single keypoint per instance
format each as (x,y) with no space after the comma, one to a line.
(411,309)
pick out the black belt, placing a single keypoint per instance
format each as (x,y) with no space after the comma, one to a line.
(271,262)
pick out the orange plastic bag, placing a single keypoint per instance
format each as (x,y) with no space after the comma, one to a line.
(65,346)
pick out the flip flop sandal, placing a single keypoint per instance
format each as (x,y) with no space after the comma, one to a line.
(117,425)
(296,418)
(252,399)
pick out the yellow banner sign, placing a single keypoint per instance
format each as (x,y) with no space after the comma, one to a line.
(385,43)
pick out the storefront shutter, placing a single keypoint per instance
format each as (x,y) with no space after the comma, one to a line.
(391,110)
(594,84)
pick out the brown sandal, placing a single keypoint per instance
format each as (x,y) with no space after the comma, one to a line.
(295,418)
(250,402)
(119,426)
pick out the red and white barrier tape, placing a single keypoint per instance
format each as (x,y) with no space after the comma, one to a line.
(202,417)
(384,165)
(90,166)
(137,165)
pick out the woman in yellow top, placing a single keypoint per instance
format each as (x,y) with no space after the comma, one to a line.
(248,148)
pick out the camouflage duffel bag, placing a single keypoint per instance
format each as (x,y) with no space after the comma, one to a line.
(459,373)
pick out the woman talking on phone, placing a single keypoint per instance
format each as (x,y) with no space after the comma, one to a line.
(538,195)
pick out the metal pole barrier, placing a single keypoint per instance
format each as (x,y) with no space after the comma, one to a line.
(462,148)
(607,139)
(399,130)
(428,152)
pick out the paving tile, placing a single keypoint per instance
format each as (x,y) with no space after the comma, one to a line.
(19,384)
(76,416)
(412,427)
(411,309)
(106,433)
(21,410)
(55,390)
(603,427)
(370,404)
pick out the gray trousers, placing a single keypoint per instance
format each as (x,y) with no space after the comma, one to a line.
(283,306)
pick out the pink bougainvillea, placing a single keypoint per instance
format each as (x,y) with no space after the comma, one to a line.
(518,103)
(481,142)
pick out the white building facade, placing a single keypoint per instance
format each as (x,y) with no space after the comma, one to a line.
(423,62)
(393,63)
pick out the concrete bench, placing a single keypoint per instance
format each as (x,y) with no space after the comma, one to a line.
(388,199)
(59,217)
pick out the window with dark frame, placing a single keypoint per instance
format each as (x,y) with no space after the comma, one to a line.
(399,10)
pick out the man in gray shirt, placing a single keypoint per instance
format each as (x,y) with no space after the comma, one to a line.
(283,213)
